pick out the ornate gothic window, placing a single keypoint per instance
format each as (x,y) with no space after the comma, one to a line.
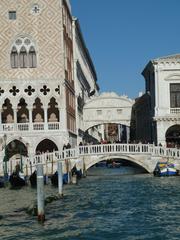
(23,53)
(14,58)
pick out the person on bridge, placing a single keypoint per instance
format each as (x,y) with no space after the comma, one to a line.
(68,146)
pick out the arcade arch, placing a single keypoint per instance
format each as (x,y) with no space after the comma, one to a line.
(173,136)
(107,133)
(46,145)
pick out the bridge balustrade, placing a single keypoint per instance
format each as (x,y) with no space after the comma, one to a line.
(114,148)
(101,149)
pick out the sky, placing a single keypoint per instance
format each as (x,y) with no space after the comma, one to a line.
(122,36)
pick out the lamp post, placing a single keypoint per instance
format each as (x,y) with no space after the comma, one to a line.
(6,158)
(20,151)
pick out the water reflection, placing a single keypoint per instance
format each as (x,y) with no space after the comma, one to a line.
(105,205)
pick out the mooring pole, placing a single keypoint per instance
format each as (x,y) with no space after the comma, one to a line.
(84,169)
(40,193)
(68,170)
(60,178)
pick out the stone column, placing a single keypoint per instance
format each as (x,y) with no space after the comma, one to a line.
(30,119)
(45,118)
(15,118)
(0,119)
(156,71)
(59,117)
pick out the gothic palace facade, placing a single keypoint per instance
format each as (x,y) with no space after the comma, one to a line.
(41,93)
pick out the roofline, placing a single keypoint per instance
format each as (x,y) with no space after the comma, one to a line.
(85,48)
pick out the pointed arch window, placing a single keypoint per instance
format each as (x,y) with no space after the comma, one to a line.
(14,58)
(23,58)
(23,53)
(32,57)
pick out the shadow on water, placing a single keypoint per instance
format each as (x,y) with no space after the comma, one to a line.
(115,167)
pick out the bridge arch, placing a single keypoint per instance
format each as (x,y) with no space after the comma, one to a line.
(133,159)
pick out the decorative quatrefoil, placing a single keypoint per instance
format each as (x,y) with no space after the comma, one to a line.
(1,91)
(29,90)
(14,90)
(58,90)
(45,90)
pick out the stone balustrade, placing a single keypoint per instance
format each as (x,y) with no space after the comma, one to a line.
(74,155)
(24,127)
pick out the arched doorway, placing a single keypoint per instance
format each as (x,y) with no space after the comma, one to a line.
(14,152)
(46,146)
(16,147)
(173,136)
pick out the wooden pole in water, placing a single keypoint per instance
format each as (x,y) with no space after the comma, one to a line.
(60,178)
(40,193)
(26,170)
(67,170)
(84,169)
(52,166)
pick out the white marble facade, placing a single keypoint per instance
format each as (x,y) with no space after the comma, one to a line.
(162,78)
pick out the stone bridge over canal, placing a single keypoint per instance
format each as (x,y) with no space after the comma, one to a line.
(146,156)
(84,157)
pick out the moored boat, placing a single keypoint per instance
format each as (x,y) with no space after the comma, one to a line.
(2,182)
(171,170)
(114,165)
(17,179)
(33,179)
(165,169)
(54,179)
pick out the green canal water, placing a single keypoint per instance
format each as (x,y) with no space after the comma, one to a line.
(108,204)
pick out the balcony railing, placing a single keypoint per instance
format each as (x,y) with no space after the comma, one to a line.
(25,127)
(174,110)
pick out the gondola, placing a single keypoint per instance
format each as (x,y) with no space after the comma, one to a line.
(2,182)
(76,172)
(33,179)
(79,174)
(17,179)
(54,179)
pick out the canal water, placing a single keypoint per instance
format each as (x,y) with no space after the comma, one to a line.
(108,204)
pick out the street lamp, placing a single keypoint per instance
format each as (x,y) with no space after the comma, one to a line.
(6,157)
(20,151)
